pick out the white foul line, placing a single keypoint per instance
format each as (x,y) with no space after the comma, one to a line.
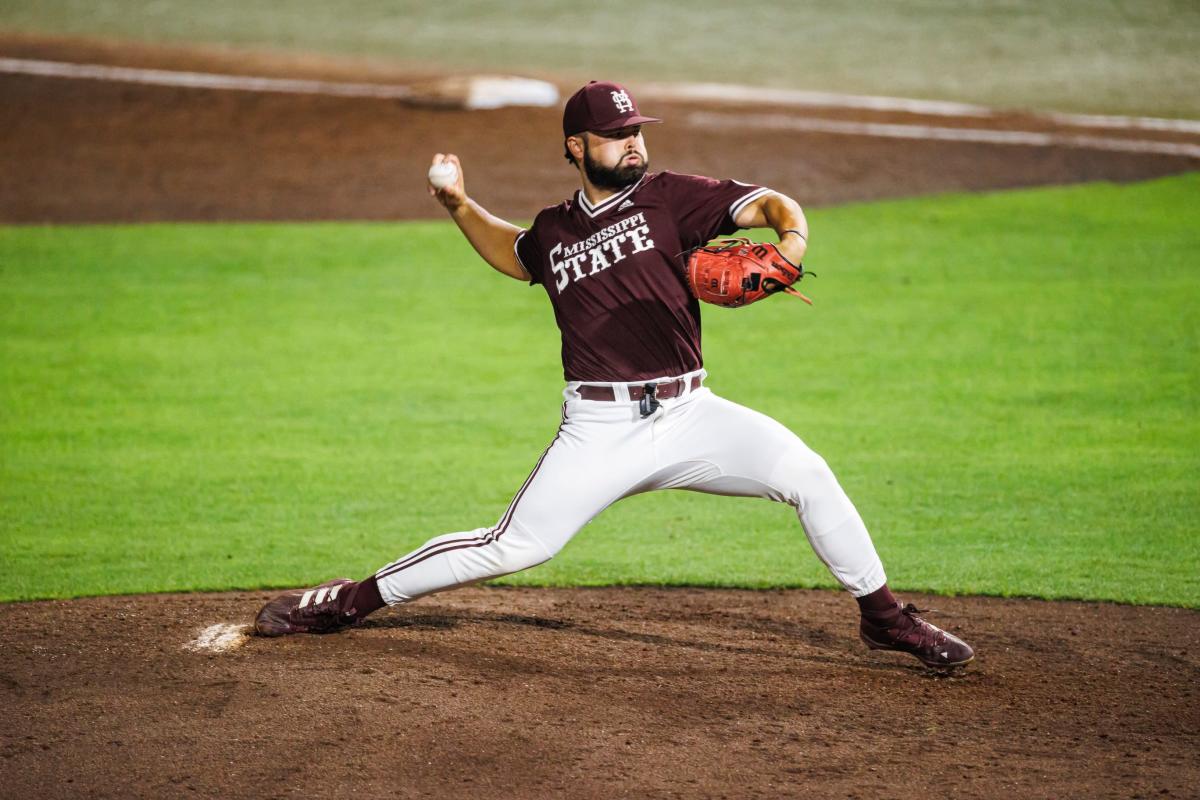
(200,80)
(1137,123)
(704,119)
(735,93)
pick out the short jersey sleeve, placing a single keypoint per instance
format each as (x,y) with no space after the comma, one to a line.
(529,247)
(705,208)
(529,253)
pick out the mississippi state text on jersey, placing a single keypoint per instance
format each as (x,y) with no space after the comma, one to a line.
(614,273)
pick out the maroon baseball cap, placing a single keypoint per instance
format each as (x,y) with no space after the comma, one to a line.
(601,106)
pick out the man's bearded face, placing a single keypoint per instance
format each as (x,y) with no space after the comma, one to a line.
(630,166)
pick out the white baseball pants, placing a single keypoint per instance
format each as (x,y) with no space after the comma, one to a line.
(604,451)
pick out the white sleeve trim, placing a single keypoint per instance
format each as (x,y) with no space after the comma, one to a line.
(738,205)
(517,252)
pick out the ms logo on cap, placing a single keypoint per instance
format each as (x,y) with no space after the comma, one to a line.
(622,101)
(600,106)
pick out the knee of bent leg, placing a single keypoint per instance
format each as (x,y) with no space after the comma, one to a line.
(803,476)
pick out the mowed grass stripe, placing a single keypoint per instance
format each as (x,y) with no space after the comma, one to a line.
(1006,385)
(1126,56)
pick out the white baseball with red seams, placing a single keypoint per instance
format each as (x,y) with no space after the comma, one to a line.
(443,174)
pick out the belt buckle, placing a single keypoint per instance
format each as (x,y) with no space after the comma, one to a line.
(649,403)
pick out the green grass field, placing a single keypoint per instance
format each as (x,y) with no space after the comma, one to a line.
(1008,385)
(1117,56)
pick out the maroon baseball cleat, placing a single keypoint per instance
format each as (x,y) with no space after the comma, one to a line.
(322,609)
(932,646)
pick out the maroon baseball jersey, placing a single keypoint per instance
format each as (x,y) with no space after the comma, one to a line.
(615,273)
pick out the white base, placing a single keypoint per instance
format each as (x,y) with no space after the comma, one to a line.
(219,638)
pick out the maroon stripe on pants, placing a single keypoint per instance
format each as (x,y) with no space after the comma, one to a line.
(479,540)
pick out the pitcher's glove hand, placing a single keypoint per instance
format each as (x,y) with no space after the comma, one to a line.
(738,272)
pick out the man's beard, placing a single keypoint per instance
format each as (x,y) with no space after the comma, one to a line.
(614,178)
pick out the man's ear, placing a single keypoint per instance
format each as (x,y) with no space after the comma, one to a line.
(575,146)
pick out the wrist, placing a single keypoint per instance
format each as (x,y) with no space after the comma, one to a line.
(793,244)
(792,248)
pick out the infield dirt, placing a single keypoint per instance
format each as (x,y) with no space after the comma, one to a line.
(91,151)
(624,692)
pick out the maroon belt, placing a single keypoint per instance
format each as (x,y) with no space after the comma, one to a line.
(662,391)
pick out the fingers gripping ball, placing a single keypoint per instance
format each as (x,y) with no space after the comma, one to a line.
(738,272)
(443,174)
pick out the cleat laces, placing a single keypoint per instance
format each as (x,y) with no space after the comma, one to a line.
(927,635)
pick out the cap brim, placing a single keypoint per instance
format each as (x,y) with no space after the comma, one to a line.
(625,122)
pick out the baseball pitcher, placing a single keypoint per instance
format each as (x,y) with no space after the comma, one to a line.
(624,263)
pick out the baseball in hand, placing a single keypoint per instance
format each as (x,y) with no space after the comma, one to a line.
(443,174)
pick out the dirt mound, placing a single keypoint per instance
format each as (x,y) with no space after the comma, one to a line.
(597,693)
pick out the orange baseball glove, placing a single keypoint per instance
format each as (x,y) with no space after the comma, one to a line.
(738,272)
